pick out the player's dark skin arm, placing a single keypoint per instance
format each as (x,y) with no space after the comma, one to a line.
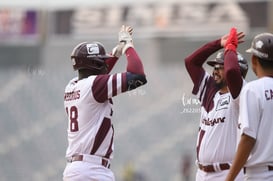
(232,73)
(195,61)
(245,146)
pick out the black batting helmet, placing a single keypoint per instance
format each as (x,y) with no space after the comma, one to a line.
(262,46)
(220,60)
(89,56)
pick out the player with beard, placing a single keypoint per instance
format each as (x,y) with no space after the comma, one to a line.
(219,97)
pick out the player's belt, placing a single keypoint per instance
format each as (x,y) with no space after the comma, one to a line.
(211,168)
(258,169)
(91,159)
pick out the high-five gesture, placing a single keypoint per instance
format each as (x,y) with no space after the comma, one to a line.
(125,34)
(125,41)
(125,37)
(235,34)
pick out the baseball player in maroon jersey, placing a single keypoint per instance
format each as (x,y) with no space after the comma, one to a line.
(88,104)
(255,149)
(218,94)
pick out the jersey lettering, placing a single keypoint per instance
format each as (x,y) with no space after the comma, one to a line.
(69,96)
(223,103)
(212,122)
(268,94)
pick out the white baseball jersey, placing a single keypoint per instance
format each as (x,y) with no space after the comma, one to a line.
(89,108)
(217,138)
(256,119)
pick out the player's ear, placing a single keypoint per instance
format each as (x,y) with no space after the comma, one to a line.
(254,60)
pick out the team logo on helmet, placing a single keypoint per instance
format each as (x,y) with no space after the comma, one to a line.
(92,49)
(219,55)
(259,44)
(240,57)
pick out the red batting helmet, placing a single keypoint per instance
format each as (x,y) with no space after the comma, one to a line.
(89,56)
(241,60)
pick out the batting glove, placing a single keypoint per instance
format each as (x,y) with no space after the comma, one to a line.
(125,36)
(232,41)
(117,50)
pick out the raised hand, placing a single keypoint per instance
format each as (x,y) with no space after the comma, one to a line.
(240,36)
(125,34)
(124,37)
